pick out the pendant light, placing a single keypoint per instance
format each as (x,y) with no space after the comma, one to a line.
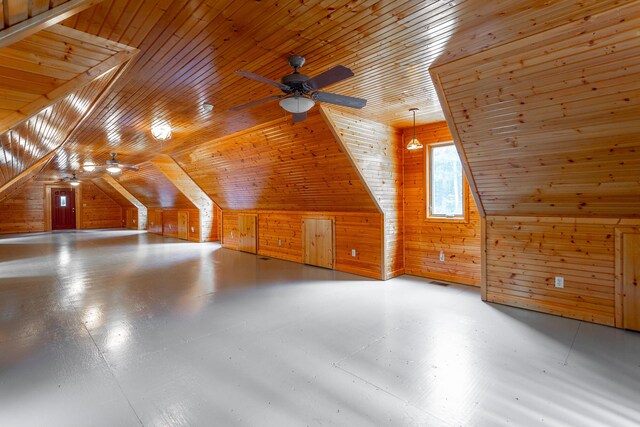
(414,144)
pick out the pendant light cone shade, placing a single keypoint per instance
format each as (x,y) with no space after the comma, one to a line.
(297,104)
(414,144)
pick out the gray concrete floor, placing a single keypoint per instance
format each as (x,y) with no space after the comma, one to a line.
(121,328)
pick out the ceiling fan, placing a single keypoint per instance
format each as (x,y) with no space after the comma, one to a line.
(301,92)
(112,165)
(73,180)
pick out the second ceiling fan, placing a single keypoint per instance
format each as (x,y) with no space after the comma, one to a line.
(301,91)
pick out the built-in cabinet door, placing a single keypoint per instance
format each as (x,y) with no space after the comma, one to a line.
(318,242)
(183,225)
(631,281)
(247,233)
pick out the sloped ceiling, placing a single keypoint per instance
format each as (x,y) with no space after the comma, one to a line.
(549,124)
(112,193)
(278,166)
(153,189)
(26,144)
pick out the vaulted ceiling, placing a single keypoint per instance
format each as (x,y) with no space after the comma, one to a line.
(189,50)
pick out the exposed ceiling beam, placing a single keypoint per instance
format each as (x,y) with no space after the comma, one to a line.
(46,19)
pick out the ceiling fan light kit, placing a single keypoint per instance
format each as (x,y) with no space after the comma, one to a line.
(89,167)
(114,169)
(297,104)
(302,92)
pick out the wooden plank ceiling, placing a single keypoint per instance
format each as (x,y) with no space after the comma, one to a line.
(13,12)
(26,144)
(278,166)
(153,189)
(43,68)
(549,123)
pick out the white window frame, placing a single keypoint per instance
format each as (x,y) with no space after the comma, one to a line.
(465,189)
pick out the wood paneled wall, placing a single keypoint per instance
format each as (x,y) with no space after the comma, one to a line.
(525,254)
(98,209)
(354,230)
(165,222)
(546,121)
(425,238)
(376,152)
(23,210)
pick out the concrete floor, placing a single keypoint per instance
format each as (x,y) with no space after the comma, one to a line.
(121,328)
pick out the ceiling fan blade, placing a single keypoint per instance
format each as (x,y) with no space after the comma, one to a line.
(261,79)
(131,168)
(333,98)
(252,103)
(299,117)
(329,77)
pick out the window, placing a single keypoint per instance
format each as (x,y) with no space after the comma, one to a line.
(445,182)
(63,201)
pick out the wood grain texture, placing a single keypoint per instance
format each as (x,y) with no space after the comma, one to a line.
(23,210)
(44,67)
(277,166)
(425,238)
(631,281)
(98,209)
(40,14)
(153,189)
(108,183)
(376,152)
(524,254)
(318,242)
(549,123)
(183,182)
(27,144)
(353,230)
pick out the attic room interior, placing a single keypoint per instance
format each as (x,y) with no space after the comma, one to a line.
(305,212)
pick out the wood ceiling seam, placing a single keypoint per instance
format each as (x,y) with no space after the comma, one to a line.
(532,41)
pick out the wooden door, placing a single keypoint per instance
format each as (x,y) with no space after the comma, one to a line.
(318,242)
(247,233)
(183,225)
(631,281)
(63,209)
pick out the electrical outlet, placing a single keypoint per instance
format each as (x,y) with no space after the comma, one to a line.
(559,282)
(232,234)
(279,242)
(193,229)
(134,221)
(353,252)
(441,256)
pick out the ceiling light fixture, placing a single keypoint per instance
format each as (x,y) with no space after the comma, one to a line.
(161,131)
(207,107)
(89,167)
(414,144)
(74,181)
(297,104)
(114,169)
